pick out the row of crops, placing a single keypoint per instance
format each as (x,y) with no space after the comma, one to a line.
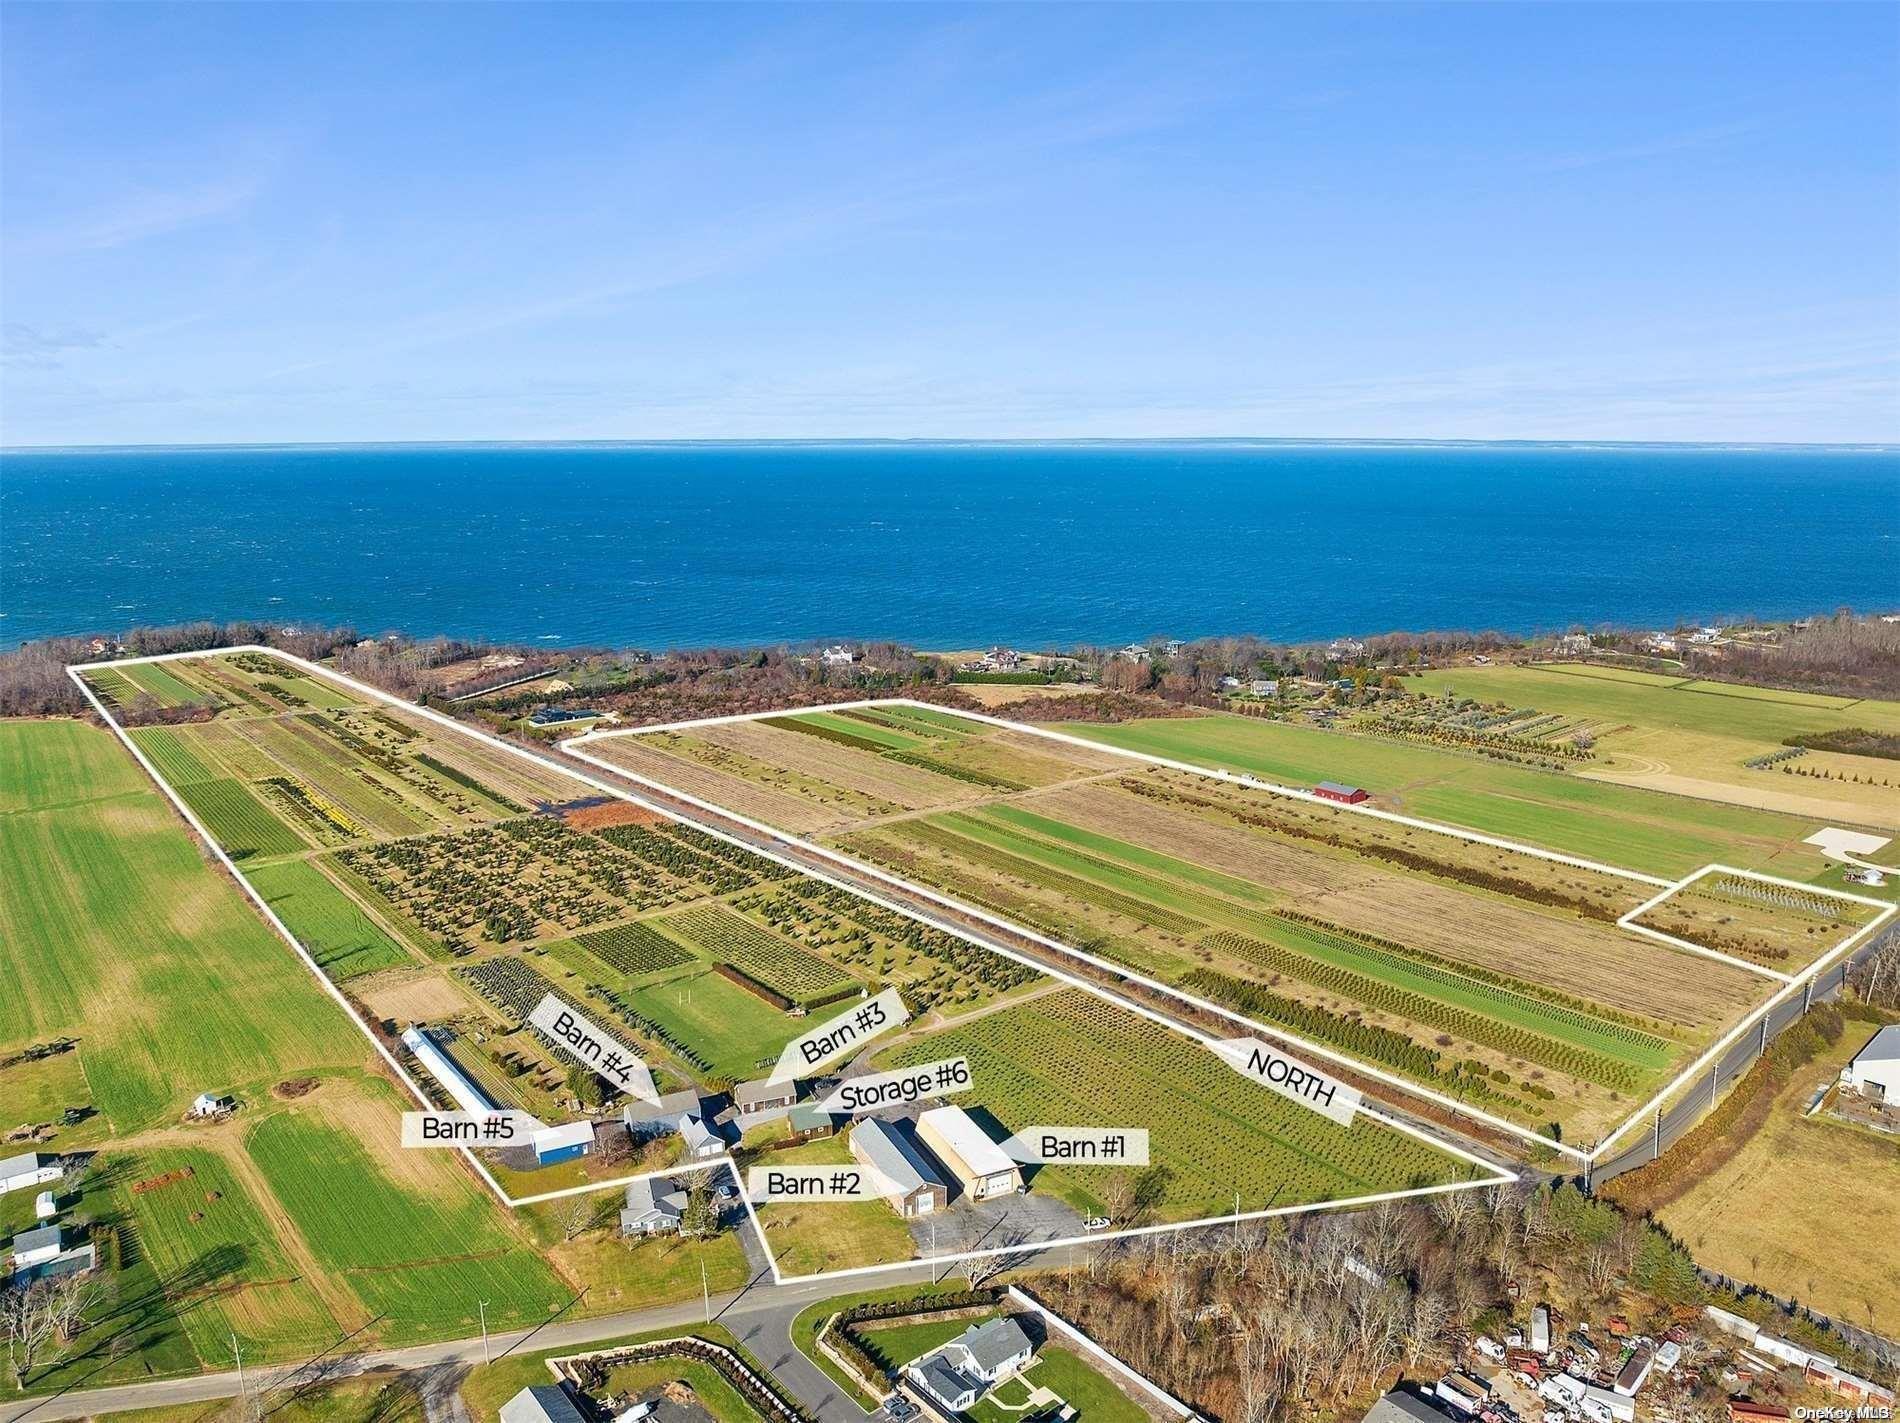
(795,973)
(1073,1057)
(1474,1026)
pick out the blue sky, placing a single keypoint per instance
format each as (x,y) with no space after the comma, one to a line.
(271,223)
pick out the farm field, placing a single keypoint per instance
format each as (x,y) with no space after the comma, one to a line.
(119,934)
(1697,738)
(343,939)
(1773,1212)
(212,1244)
(818,771)
(1071,1057)
(407,1232)
(1665,835)
(1499,978)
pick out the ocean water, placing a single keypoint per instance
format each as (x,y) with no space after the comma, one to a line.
(942,546)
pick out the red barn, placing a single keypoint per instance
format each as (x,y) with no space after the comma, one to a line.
(1345,795)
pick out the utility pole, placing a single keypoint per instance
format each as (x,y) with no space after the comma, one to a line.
(1656,1151)
(243,1406)
(481,1307)
(705,1294)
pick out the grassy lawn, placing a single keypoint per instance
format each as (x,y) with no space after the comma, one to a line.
(327,922)
(119,933)
(1619,825)
(805,1327)
(898,1344)
(206,1236)
(1079,1384)
(413,1238)
(1795,1208)
(35,1092)
(731,1028)
(713,1393)
(809,1237)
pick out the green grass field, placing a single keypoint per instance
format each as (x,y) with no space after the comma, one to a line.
(44,764)
(213,1246)
(731,1028)
(1618,825)
(177,762)
(238,820)
(884,736)
(166,687)
(327,922)
(119,932)
(421,1252)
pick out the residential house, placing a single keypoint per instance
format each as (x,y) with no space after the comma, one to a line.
(541,1403)
(1574,644)
(1134,652)
(1174,647)
(1345,648)
(761,1100)
(1265,686)
(838,655)
(911,1183)
(701,1142)
(985,1354)
(654,1206)
(1400,1406)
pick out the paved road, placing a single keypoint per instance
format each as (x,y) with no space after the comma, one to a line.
(759,1315)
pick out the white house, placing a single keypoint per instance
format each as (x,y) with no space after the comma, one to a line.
(1875,1071)
(655,1206)
(963,1370)
(37,1246)
(1265,687)
(211,1104)
(838,656)
(702,1142)
(35,1168)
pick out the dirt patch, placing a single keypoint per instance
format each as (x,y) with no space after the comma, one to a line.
(409,996)
(598,817)
(155,1183)
(294,1088)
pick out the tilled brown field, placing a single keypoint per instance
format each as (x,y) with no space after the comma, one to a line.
(1581,956)
(788,812)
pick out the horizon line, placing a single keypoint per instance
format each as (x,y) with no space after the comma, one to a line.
(932,441)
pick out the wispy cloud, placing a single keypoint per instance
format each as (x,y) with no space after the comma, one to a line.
(35,348)
(1662,146)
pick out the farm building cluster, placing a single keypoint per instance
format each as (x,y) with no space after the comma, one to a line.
(47,1250)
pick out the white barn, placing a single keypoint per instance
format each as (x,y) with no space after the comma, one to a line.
(35,1168)
(1875,1071)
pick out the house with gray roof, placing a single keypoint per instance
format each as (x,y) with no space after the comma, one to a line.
(646,1120)
(963,1370)
(1399,1406)
(541,1403)
(654,1206)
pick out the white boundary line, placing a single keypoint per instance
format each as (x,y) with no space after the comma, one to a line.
(1498,1174)
(1249,782)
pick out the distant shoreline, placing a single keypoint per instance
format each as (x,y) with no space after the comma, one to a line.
(934,442)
